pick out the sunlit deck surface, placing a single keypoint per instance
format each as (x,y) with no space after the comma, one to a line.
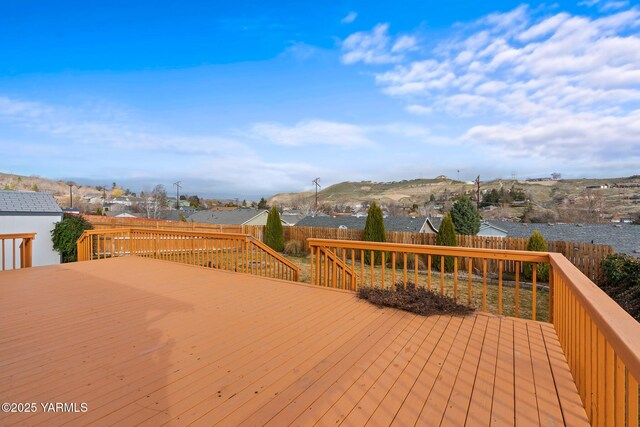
(154,342)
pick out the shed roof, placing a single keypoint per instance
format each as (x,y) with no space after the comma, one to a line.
(27,202)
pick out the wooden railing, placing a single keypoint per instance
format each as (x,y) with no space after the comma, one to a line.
(331,270)
(24,242)
(404,263)
(226,251)
(585,256)
(601,342)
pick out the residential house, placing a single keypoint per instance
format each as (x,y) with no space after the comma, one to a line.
(240,216)
(30,212)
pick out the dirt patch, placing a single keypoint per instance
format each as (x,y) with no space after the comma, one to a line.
(415,300)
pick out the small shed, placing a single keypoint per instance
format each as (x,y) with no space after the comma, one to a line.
(31,212)
(490,230)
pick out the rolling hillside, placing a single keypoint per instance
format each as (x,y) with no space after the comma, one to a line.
(559,200)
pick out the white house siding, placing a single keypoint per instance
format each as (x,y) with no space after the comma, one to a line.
(41,224)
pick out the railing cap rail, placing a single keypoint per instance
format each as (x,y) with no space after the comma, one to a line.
(18,236)
(498,254)
(618,327)
(191,233)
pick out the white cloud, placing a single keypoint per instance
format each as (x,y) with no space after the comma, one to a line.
(91,127)
(375,46)
(343,135)
(605,6)
(349,18)
(419,110)
(404,43)
(532,84)
(312,132)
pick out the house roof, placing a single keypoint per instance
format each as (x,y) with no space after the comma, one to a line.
(292,218)
(624,238)
(391,223)
(27,202)
(484,225)
(237,216)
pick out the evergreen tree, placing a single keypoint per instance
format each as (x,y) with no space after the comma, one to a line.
(446,237)
(374,232)
(537,244)
(273,232)
(465,217)
(262,204)
(66,233)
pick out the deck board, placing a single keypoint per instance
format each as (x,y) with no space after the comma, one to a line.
(153,342)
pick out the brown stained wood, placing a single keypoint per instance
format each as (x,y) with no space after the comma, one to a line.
(573,411)
(503,408)
(526,404)
(150,342)
(345,389)
(549,411)
(458,404)
(441,391)
(482,395)
(379,377)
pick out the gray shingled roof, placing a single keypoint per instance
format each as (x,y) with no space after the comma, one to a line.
(26,202)
(624,238)
(391,223)
(237,216)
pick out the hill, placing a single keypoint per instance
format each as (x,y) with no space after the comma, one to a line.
(58,188)
(544,200)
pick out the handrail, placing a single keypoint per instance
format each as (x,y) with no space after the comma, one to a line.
(263,246)
(498,254)
(25,249)
(337,274)
(228,251)
(601,343)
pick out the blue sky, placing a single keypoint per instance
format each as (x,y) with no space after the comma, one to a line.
(254,98)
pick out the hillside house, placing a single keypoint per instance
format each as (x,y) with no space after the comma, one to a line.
(30,212)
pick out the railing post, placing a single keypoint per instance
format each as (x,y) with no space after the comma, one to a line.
(551,291)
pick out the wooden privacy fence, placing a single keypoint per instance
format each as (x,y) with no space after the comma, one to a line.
(227,251)
(18,248)
(600,340)
(585,256)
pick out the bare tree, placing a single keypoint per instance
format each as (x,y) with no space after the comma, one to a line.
(152,203)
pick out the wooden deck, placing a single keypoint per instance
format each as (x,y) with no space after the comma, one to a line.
(151,342)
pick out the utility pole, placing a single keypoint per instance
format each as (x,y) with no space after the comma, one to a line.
(317,184)
(178,187)
(104,196)
(478,192)
(70,195)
